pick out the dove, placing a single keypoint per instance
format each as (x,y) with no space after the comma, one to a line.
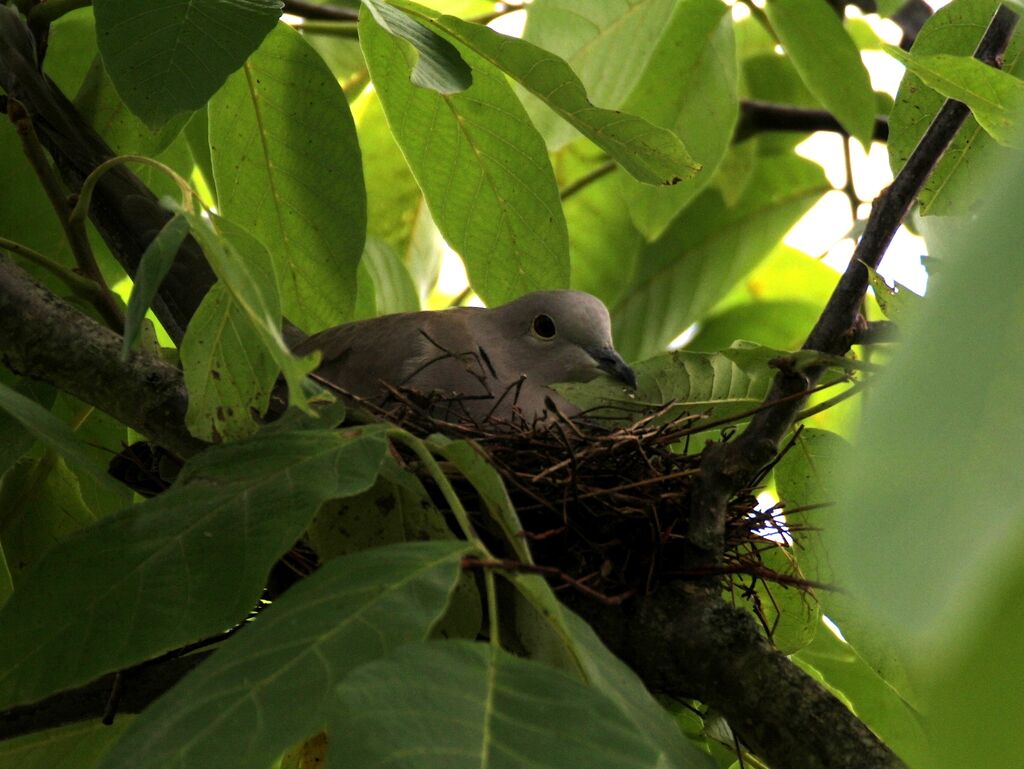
(496,363)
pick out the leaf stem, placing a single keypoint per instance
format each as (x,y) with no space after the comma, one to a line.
(447,491)
(587,179)
(82,287)
(107,303)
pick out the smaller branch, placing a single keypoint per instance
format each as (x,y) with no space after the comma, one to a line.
(587,179)
(761,116)
(82,287)
(330,27)
(109,306)
(49,11)
(315,11)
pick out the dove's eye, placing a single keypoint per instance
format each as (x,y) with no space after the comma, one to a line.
(544,327)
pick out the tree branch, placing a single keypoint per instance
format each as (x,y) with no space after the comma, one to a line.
(45,338)
(761,116)
(319,12)
(688,643)
(139,687)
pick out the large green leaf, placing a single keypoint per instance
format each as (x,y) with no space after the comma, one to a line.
(707,249)
(482,168)
(874,700)
(77,746)
(603,241)
(720,384)
(167,58)
(181,566)
(228,372)
(934,547)
(439,66)
(101,105)
(781,323)
(651,154)
(153,267)
(957,183)
(828,61)
(274,684)
(243,266)
(56,435)
(808,476)
(287,168)
(697,55)
(40,504)
(475,467)
(996,98)
(470,705)
(591,38)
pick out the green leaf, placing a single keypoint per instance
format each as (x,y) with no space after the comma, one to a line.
(957,183)
(996,98)
(707,249)
(239,708)
(603,241)
(828,61)
(228,373)
(395,291)
(397,508)
(720,384)
(483,169)
(651,154)
(697,55)
(179,567)
(54,434)
(468,704)
(101,105)
(242,264)
(287,168)
(955,435)
(153,267)
(782,324)
(77,746)
(17,438)
(439,67)
(147,45)
(476,469)
(898,303)
(810,476)
(591,38)
(40,505)
(874,701)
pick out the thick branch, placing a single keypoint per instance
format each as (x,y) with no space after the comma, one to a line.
(44,338)
(140,686)
(688,643)
(761,116)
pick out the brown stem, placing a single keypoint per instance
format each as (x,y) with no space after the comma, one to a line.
(761,116)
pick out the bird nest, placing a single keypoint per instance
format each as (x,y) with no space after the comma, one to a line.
(604,498)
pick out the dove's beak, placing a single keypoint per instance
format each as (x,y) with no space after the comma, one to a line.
(611,363)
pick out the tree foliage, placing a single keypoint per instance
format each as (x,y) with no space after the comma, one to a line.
(220,180)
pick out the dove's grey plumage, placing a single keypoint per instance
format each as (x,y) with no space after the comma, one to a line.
(498,361)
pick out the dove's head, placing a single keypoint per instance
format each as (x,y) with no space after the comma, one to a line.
(561,336)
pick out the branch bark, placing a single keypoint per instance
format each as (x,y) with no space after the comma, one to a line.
(686,642)
(45,338)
